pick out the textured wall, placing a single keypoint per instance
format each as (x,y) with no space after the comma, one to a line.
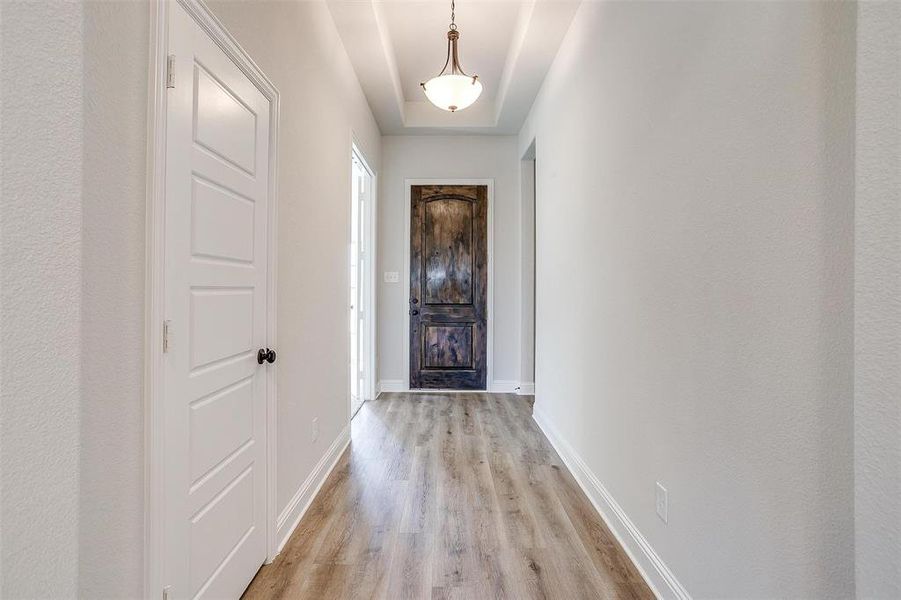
(695,319)
(41,296)
(74,130)
(74,79)
(451,157)
(877,302)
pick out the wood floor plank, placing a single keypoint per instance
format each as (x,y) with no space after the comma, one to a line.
(450,496)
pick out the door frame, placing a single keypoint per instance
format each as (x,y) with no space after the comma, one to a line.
(155,252)
(371,247)
(489,350)
(529,184)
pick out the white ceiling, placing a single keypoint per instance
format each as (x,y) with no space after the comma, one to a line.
(419,34)
(396,44)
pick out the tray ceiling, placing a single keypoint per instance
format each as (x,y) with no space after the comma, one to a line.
(396,44)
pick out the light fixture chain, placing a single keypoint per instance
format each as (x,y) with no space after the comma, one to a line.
(452,24)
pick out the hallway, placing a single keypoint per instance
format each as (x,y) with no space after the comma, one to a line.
(450,496)
(654,248)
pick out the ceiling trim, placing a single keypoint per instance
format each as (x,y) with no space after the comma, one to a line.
(390,56)
(513,53)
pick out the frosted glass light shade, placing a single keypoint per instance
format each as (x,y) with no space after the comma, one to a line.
(452,92)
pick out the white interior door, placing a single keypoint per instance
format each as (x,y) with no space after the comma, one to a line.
(217,166)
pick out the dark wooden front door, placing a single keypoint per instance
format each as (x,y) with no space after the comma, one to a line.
(448,286)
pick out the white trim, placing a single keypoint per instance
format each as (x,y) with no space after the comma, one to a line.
(391,385)
(272,331)
(154,300)
(503,387)
(658,576)
(371,256)
(512,387)
(154,435)
(306,493)
(528,388)
(497,387)
(489,182)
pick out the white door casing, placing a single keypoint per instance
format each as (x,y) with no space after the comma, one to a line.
(210,502)
(361,281)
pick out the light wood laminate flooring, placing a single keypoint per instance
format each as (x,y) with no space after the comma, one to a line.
(450,496)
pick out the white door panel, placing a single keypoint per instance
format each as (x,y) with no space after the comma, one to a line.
(222,223)
(223,124)
(221,424)
(220,528)
(216,299)
(220,324)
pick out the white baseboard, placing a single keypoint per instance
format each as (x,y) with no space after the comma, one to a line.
(500,386)
(496,387)
(503,386)
(657,575)
(391,385)
(297,507)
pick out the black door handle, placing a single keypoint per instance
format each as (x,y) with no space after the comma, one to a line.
(266,355)
(414,312)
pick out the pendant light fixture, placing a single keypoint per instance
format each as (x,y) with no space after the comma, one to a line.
(455,90)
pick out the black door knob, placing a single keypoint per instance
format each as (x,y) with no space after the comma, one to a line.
(414,312)
(266,355)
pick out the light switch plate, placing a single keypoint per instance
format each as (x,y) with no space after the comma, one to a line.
(662,503)
(392,277)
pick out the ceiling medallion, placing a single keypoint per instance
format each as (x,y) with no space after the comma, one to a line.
(455,90)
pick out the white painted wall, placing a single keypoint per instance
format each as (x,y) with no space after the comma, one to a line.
(41,296)
(696,157)
(449,157)
(74,103)
(877,290)
(694,289)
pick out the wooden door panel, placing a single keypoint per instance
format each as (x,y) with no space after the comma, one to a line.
(448,287)
(447,248)
(448,346)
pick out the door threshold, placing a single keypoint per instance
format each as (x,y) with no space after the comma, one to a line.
(444,391)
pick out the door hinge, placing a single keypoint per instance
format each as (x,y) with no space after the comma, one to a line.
(170,71)
(167,342)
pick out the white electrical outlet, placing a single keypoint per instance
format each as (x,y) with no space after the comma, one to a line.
(662,502)
(315,429)
(392,277)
